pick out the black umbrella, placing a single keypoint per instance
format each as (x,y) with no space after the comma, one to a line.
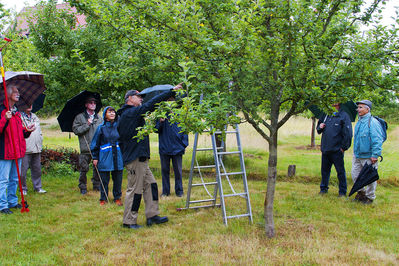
(38,103)
(349,107)
(367,175)
(151,92)
(75,106)
(30,85)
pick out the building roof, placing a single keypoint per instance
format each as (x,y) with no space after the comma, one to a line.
(22,19)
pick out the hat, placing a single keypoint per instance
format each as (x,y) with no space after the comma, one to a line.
(131,93)
(365,102)
(90,98)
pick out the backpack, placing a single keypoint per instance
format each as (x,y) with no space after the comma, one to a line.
(384,126)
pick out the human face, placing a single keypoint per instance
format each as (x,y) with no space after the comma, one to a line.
(135,100)
(91,106)
(362,109)
(14,95)
(110,115)
(28,110)
(336,106)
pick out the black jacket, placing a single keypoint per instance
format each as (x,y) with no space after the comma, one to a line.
(337,134)
(130,118)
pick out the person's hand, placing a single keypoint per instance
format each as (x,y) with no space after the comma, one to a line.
(31,128)
(178,86)
(373,160)
(342,150)
(8,115)
(90,121)
(322,125)
(95,162)
(161,120)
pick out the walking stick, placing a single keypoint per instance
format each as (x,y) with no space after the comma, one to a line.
(23,202)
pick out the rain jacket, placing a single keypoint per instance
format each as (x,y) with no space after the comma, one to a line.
(130,118)
(105,146)
(337,134)
(171,141)
(19,134)
(85,131)
(368,137)
(34,143)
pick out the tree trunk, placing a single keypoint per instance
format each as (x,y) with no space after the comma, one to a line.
(313,133)
(271,185)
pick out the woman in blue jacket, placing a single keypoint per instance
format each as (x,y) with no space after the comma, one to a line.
(107,156)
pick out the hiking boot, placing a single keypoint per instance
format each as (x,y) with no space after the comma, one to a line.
(118,202)
(18,206)
(367,201)
(360,196)
(6,211)
(157,220)
(103,202)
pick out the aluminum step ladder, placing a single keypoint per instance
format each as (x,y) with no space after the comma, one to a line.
(221,174)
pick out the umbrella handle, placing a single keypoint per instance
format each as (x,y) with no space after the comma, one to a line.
(382,158)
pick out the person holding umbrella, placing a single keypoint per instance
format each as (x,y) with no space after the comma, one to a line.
(11,120)
(141,182)
(336,138)
(367,147)
(32,157)
(84,126)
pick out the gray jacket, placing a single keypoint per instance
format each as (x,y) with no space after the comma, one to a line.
(34,143)
(84,131)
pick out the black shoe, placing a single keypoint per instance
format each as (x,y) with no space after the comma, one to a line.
(18,206)
(83,191)
(132,226)
(6,211)
(157,220)
(360,196)
(367,201)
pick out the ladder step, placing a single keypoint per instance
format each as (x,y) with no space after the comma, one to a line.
(204,166)
(236,194)
(232,173)
(201,184)
(203,206)
(238,216)
(227,132)
(206,200)
(208,149)
(228,152)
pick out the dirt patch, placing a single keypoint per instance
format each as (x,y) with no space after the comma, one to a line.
(308,147)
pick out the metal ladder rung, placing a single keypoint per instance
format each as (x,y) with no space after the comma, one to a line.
(201,184)
(227,132)
(232,173)
(205,200)
(203,206)
(204,166)
(237,216)
(228,152)
(236,194)
(208,149)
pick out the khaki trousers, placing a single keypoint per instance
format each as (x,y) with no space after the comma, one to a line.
(357,166)
(140,182)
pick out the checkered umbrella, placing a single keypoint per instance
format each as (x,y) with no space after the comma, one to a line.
(30,85)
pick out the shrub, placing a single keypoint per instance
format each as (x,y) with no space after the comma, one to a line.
(61,156)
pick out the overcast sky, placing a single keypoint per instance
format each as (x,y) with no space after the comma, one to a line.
(17,5)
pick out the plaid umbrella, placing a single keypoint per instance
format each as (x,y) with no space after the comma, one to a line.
(29,84)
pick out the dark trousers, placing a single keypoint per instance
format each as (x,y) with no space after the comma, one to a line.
(177,167)
(327,160)
(84,161)
(117,180)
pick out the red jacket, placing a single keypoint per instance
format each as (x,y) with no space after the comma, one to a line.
(18,133)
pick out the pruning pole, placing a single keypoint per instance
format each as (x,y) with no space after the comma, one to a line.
(95,167)
(23,202)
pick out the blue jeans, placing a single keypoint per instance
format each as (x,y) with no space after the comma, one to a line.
(165,168)
(8,183)
(327,160)
(117,188)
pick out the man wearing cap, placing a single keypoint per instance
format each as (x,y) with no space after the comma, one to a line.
(336,139)
(84,126)
(367,148)
(136,153)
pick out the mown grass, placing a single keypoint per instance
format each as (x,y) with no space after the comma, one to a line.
(64,227)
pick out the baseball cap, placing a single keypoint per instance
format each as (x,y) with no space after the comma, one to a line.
(131,93)
(365,102)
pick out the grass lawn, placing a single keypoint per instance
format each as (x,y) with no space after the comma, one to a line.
(64,227)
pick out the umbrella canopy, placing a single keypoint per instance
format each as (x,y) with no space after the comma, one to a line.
(367,175)
(38,103)
(349,107)
(151,92)
(75,106)
(29,84)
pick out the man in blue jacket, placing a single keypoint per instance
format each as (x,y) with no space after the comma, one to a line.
(336,139)
(135,153)
(172,144)
(367,147)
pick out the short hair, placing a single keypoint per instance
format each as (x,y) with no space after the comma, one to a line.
(9,90)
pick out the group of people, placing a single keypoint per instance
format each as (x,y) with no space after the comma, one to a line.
(336,138)
(110,142)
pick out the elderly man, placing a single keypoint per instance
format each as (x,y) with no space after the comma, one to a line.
(336,139)
(141,182)
(84,126)
(11,127)
(367,148)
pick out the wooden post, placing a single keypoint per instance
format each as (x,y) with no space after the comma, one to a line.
(313,133)
(291,170)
